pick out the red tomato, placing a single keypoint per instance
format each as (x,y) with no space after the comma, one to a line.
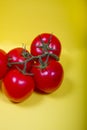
(49,78)
(17,86)
(17,56)
(3,63)
(45,42)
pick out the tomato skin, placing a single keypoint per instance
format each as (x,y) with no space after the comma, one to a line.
(50,78)
(55,44)
(15,55)
(3,63)
(17,86)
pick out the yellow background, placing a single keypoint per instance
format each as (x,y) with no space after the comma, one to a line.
(20,22)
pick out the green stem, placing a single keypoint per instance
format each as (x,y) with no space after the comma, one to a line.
(28,59)
(24,72)
(54,56)
(41,62)
(47,58)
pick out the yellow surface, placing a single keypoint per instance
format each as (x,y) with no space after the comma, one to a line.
(20,22)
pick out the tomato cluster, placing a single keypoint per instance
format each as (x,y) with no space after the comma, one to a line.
(22,71)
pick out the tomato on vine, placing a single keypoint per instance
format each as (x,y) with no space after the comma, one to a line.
(48,76)
(17,57)
(17,86)
(45,42)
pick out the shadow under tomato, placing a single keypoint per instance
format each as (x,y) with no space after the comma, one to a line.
(31,101)
(65,89)
(40,92)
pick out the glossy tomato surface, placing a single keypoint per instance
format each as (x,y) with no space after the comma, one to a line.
(45,42)
(49,78)
(17,56)
(3,63)
(17,86)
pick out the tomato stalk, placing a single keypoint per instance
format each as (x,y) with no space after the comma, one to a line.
(28,57)
(24,70)
(43,64)
(25,53)
(45,47)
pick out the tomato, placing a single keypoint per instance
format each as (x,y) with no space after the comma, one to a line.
(17,86)
(45,42)
(17,56)
(3,63)
(47,79)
